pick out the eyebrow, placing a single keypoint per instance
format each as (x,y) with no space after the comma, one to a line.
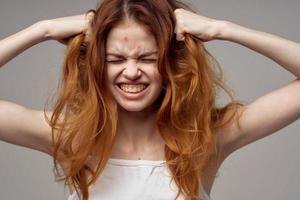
(140,56)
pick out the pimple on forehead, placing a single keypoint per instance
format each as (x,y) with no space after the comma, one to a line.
(125,38)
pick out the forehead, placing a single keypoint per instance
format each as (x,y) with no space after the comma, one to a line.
(130,38)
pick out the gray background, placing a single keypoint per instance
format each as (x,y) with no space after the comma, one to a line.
(266,169)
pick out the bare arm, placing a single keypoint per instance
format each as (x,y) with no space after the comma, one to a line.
(58,29)
(20,125)
(15,44)
(24,126)
(274,110)
(268,113)
(282,51)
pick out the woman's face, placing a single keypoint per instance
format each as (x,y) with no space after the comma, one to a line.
(132,74)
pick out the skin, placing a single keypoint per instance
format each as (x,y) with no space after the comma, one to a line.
(137,131)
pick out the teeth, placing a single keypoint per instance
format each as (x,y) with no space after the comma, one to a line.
(132,88)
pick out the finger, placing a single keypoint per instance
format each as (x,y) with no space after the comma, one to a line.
(89,17)
(175,29)
(90,11)
(180,35)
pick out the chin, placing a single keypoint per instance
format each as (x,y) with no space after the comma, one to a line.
(134,107)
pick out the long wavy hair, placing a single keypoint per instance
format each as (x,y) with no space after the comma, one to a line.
(84,120)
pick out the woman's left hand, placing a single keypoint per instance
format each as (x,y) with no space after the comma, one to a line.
(202,27)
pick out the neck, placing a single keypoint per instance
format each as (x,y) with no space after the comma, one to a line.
(137,129)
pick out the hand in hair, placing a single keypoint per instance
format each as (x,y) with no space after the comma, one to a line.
(64,28)
(202,27)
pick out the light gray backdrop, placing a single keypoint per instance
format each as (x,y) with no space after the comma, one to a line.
(266,169)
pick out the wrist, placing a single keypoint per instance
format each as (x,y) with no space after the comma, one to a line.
(223,29)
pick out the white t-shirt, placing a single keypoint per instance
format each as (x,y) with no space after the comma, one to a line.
(135,180)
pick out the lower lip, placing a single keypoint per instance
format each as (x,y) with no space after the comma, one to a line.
(133,95)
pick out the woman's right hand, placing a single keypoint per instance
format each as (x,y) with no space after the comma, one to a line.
(62,29)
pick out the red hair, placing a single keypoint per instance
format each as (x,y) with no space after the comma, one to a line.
(84,120)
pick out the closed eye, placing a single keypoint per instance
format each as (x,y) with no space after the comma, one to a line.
(120,61)
(114,61)
(148,60)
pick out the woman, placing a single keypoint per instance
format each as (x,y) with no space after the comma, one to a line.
(137,100)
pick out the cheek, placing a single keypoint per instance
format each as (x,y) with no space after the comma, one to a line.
(110,75)
(157,77)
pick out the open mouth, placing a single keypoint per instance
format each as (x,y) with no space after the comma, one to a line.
(133,89)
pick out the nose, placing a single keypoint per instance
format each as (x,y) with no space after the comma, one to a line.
(131,70)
